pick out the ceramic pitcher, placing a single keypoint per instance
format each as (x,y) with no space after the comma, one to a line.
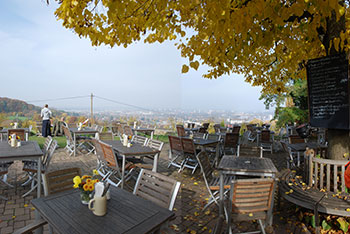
(98,205)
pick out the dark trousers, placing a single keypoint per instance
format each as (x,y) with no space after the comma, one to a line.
(46,130)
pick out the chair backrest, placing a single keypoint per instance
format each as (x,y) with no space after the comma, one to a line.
(106,136)
(231,140)
(120,129)
(19,132)
(175,144)
(60,180)
(252,195)
(293,139)
(47,144)
(127,130)
(199,135)
(180,130)
(206,168)
(188,146)
(99,128)
(109,155)
(214,137)
(205,125)
(155,144)
(68,135)
(140,139)
(48,156)
(236,129)
(114,130)
(202,130)
(265,136)
(157,188)
(217,127)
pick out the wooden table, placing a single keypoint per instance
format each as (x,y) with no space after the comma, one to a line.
(136,150)
(126,213)
(143,130)
(83,131)
(29,150)
(4,131)
(301,147)
(246,166)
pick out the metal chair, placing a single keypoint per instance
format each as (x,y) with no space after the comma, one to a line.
(54,182)
(155,187)
(175,152)
(190,153)
(180,131)
(3,173)
(31,167)
(211,179)
(231,143)
(266,144)
(139,139)
(251,199)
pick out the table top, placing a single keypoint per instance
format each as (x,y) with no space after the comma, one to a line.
(27,149)
(247,164)
(83,130)
(134,150)
(302,146)
(142,129)
(204,142)
(126,213)
(4,130)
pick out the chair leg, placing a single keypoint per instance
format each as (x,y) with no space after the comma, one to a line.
(4,180)
(262,227)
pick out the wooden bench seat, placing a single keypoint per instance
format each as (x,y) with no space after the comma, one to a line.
(296,191)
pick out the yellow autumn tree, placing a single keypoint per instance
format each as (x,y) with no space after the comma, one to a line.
(268,41)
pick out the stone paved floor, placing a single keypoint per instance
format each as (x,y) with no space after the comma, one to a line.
(190,217)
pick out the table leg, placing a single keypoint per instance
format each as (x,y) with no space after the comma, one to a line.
(217,154)
(152,135)
(75,144)
(155,163)
(27,136)
(123,171)
(37,215)
(221,202)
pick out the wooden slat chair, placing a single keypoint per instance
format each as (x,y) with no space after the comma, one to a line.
(54,182)
(205,126)
(236,129)
(190,153)
(3,175)
(139,139)
(45,149)
(217,128)
(101,162)
(252,199)
(120,130)
(180,131)
(201,135)
(70,142)
(128,130)
(31,167)
(212,179)
(19,132)
(157,188)
(106,136)
(231,144)
(113,166)
(266,144)
(175,152)
(294,139)
(114,130)
(292,158)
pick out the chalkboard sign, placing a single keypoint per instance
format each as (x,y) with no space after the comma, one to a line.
(328,87)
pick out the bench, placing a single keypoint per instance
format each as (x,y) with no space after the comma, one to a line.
(322,191)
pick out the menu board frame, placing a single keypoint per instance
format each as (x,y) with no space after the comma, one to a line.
(328,92)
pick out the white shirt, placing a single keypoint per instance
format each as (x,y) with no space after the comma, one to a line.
(46,113)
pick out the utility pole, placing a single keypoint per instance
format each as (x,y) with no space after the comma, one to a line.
(92,112)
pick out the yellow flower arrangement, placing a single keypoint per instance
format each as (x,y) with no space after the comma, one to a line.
(86,184)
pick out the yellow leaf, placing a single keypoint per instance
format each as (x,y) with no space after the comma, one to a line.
(184,69)
(194,65)
(250,215)
(195,183)
(25,205)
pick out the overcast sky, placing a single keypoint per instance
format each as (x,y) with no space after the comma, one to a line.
(41,60)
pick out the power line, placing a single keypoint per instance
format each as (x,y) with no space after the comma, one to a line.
(125,104)
(58,99)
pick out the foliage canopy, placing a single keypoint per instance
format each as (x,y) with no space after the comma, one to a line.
(267,41)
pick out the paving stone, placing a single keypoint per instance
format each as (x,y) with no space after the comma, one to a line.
(19,224)
(6,230)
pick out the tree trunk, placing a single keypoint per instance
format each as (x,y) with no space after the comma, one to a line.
(338,140)
(338,143)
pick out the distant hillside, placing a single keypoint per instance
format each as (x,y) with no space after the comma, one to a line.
(8,105)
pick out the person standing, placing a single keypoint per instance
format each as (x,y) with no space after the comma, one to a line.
(46,114)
